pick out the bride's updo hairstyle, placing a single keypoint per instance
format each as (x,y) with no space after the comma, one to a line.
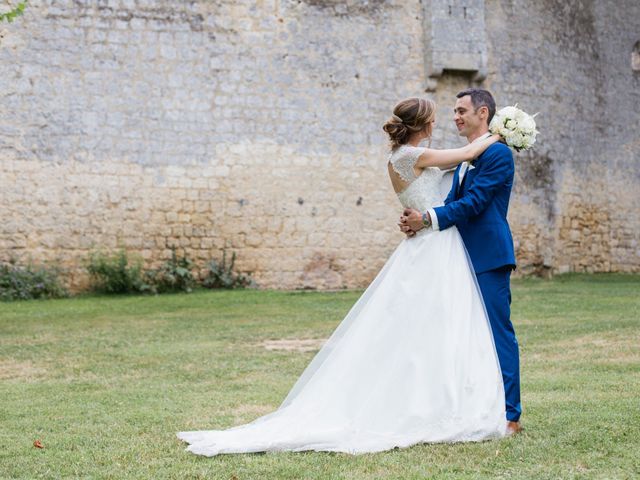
(410,116)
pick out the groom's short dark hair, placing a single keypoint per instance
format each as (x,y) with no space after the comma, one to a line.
(480,98)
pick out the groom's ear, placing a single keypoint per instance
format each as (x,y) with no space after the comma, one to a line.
(483,112)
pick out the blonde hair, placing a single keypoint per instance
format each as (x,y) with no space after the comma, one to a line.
(410,116)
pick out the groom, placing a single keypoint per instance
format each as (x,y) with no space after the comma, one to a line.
(477,204)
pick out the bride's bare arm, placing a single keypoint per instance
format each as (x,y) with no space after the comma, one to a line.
(445,159)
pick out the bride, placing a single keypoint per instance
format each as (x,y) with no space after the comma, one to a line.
(414,360)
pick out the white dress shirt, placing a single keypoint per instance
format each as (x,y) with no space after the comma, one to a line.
(463,169)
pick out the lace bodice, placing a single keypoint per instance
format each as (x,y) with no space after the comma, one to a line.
(424,190)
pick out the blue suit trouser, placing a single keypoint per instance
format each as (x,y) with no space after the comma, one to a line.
(496,293)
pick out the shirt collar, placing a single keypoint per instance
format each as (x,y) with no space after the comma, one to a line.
(482,137)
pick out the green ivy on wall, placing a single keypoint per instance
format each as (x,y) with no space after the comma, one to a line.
(11,15)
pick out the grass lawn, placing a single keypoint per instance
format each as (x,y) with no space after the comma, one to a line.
(105,383)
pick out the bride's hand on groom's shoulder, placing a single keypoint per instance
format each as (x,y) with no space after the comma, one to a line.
(501,139)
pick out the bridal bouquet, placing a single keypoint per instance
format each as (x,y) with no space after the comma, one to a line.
(517,127)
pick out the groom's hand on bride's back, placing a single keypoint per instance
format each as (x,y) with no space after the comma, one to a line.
(410,222)
(406,230)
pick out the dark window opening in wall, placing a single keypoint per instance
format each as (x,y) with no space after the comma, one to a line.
(635,57)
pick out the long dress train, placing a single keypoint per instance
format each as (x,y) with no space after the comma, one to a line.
(413,361)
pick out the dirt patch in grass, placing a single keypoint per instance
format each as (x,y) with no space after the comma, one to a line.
(294,344)
(12,369)
(30,340)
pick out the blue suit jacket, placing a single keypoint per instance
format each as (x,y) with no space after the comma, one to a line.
(479,209)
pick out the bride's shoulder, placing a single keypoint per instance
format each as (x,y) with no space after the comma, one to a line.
(403,160)
(406,152)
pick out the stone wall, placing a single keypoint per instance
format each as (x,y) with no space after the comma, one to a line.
(576,205)
(255,127)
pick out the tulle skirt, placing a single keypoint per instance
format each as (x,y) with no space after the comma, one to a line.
(413,361)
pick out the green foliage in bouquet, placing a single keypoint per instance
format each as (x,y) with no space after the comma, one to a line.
(29,282)
(221,275)
(116,274)
(11,15)
(175,275)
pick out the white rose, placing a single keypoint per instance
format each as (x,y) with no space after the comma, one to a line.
(509,112)
(520,140)
(519,115)
(496,123)
(528,123)
(523,138)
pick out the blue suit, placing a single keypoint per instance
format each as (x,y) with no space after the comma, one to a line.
(478,208)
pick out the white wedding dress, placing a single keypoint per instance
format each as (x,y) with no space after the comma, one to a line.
(412,362)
